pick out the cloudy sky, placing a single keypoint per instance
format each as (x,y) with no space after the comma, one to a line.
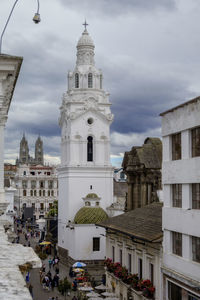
(149,52)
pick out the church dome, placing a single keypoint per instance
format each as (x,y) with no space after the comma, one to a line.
(90,215)
(85,40)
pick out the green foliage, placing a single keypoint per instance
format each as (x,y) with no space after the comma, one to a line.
(54,210)
(64,286)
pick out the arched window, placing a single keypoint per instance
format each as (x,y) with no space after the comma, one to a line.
(76,80)
(90,148)
(35,193)
(40,193)
(90,80)
(101,79)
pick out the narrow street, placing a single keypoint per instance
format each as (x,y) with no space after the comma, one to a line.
(40,293)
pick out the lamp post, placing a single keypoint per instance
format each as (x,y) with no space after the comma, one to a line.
(36,19)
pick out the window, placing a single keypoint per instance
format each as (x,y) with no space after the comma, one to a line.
(174,291)
(33,205)
(129,262)
(35,193)
(87,203)
(40,193)
(24,193)
(90,148)
(31,192)
(33,184)
(90,80)
(50,205)
(50,184)
(91,187)
(97,203)
(24,184)
(177,243)
(76,80)
(24,171)
(151,272)
(113,253)
(196,196)
(41,206)
(32,173)
(177,195)
(24,205)
(140,268)
(96,244)
(43,193)
(120,256)
(196,249)
(195,133)
(41,184)
(176,146)
(101,81)
(52,193)
(49,193)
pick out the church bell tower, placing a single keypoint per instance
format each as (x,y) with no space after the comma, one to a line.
(85,119)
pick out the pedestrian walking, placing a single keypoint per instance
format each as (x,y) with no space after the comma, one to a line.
(31,290)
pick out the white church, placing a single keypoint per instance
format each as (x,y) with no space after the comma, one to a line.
(86,174)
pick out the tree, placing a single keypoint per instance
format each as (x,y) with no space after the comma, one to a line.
(64,287)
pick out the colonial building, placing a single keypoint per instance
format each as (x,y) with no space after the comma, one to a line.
(181,212)
(85,175)
(134,253)
(25,158)
(37,187)
(142,165)
(12,284)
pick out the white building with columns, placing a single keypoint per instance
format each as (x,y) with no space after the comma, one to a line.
(86,175)
(181,212)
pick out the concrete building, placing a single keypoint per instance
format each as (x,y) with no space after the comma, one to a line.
(142,165)
(37,187)
(181,212)
(12,284)
(85,175)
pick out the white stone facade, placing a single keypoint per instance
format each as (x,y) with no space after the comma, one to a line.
(37,186)
(120,248)
(181,172)
(85,150)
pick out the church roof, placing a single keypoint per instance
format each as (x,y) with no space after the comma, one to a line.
(85,40)
(143,223)
(90,215)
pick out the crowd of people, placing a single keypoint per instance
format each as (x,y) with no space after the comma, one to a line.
(48,280)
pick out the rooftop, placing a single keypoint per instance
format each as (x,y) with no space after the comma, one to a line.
(143,223)
(181,105)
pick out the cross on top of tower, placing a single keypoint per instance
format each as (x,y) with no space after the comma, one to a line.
(85,24)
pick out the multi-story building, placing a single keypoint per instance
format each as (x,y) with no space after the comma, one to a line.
(181,212)
(37,187)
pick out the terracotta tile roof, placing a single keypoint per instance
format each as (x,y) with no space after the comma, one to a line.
(143,223)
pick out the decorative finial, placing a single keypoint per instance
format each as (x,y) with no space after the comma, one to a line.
(85,24)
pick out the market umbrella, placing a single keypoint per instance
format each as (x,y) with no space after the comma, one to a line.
(78,270)
(101,287)
(92,294)
(85,288)
(79,264)
(45,243)
(108,294)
